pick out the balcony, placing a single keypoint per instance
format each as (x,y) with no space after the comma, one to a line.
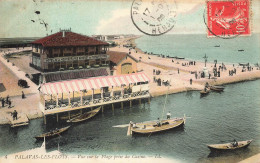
(76,58)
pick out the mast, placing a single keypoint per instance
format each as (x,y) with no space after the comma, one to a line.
(164,107)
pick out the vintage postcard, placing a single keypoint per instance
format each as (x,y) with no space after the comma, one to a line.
(130,81)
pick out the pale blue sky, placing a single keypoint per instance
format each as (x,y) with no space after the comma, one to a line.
(91,17)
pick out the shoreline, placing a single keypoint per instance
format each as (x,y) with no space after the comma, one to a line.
(137,53)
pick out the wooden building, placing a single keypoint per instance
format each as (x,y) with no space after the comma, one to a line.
(121,63)
(68,55)
(72,95)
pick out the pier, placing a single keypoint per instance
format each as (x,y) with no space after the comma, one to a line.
(67,96)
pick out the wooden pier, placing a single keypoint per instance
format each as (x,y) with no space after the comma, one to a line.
(92,105)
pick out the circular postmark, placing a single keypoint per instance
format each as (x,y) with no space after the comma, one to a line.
(227,19)
(153,17)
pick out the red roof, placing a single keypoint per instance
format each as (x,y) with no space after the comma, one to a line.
(116,57)
(70,39)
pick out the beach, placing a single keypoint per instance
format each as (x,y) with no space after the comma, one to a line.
(181,81)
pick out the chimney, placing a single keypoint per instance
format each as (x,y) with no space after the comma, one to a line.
(63,33)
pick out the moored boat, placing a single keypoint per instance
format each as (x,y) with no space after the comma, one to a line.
(229,146)
(85,116)
(52,134)
(204,92)
(217,88)
(153,127)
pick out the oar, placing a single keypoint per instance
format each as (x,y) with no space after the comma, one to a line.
(122,126)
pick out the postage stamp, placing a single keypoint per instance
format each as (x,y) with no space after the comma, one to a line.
(154,17)
(228,19)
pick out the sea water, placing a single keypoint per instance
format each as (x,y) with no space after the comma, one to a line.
(216,118)
(194,47)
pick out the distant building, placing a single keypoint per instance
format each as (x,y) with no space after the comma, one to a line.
(121,63)
(68,55)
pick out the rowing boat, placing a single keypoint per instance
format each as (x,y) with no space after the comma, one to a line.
(204,92)
(229,146)
(152,126)
(52,134)
(217,88)
(85,116)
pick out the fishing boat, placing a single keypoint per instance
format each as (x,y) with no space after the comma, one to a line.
(241,50)
(150,127)
(217,46)
(217,88)
(52,134)
(85,116)
(153,127)
(229,146)
(243,64)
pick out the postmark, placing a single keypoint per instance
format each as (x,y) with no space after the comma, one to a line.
(228,19)
(153,17)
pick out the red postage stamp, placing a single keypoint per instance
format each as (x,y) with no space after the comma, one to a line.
(228,18)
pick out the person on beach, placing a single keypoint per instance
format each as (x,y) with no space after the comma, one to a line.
(7,99)
(23,96)
(3,102)
(196,75)
(178,70)
(168,115)
(10,104)
(190,81)
(15,115)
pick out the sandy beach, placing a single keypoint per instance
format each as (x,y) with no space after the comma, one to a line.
(181,81)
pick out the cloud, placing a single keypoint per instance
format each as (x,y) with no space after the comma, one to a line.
(119,23)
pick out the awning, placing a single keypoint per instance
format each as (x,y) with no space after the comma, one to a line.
(92,83)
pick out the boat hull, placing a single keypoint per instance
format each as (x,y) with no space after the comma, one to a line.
(217,88)
(85,116)
(229,147)
(151,129)
(50,135)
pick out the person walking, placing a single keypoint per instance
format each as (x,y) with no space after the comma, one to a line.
(23,95)
(15,115)
(10,104)
(7,99)
(190,81)
(3,102)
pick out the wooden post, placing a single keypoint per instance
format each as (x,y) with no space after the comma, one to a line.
(69,115)
(57,100)
(73,97)
(130,103)
(122,105)
(44,117)
(69,98)
(57,116)
(92,94)
(102,108)
(81,98)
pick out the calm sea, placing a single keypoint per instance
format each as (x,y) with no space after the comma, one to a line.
(194,47)
(216,118)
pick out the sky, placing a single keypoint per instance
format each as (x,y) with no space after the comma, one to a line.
(18,17)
